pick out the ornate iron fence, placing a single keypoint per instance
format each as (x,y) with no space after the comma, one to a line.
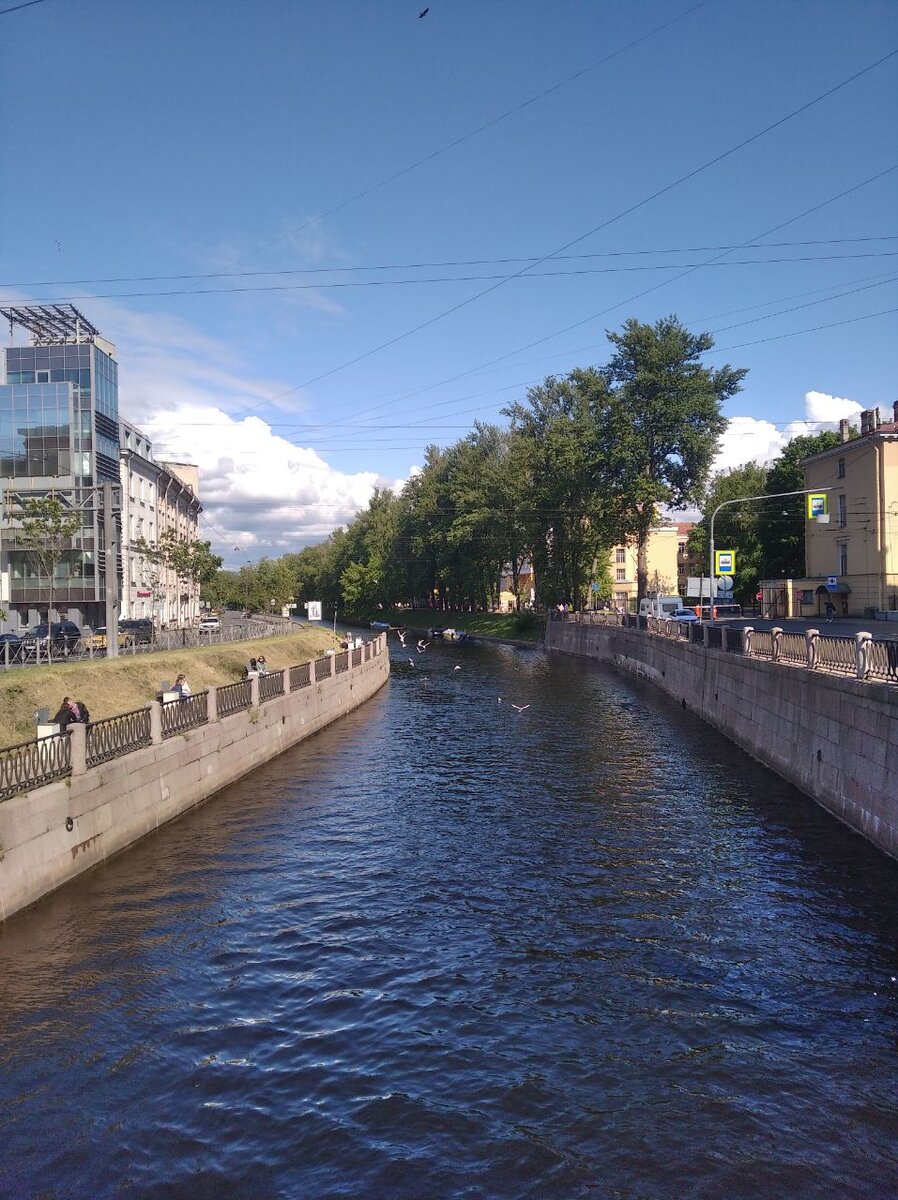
(179,715)
(114,736)
(761,644)
(836,654)
(882,660)
(715,637)
(271,685)
(367,649)
(300,676)
(31,764)
(322,668)
(357,656)
(793,648)
(341,662)
(234,698)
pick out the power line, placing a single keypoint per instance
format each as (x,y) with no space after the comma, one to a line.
(16,7)
(382,283)
(796,333)
(596,228)
(470,134)
(420,266)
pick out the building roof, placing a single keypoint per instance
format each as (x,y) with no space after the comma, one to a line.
(51,324)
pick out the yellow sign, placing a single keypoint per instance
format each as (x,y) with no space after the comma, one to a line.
(724,562)
(817,506)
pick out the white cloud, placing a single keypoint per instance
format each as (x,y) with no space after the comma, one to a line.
(751,439)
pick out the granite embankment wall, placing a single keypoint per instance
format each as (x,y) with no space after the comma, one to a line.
(834,738)
(53,833)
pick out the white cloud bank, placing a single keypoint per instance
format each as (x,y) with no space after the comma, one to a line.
(750,439)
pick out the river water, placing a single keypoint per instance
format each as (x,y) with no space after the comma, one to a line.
(447,949)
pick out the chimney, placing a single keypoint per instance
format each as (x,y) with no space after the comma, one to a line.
(867,425)
(843,425)
(895,412)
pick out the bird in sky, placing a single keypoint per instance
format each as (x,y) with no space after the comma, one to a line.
(401,638)
(423,14)
(58,247)
(519,708)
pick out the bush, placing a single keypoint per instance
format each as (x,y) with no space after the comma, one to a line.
(525,621)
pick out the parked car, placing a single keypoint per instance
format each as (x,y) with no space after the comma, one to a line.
(684,614)
(14,642)
(210,624)
(61,639)
(141,629)
(97,640)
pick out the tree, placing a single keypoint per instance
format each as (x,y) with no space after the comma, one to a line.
(735,528)
(565,511)
(191,560)
(661,425)
(781,525)
(46,533)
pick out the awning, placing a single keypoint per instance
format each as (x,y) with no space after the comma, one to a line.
(841,589)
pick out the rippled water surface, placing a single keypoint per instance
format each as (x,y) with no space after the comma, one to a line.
(445,949)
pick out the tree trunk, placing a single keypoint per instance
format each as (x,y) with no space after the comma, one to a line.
(642,570)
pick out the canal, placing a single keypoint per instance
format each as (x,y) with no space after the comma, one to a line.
(450,949)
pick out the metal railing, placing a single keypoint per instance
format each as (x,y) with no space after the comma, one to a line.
(28,765)
(300,676)
(341,662)
(31,764)
(862,657)
(234,698)
(180,715)
(357,656)
(271,686)
(114,736)
(881,660)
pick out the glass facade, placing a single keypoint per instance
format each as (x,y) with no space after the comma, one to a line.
(59,430)
(36,432)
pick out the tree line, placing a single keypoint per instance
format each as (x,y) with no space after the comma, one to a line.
(585,462)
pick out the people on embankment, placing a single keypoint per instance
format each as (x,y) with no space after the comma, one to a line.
(71,712)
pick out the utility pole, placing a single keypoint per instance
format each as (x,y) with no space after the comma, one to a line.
(111,546)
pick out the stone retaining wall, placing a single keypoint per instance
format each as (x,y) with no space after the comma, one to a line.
(53,833)
(834,738)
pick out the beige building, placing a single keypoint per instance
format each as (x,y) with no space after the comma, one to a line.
(662,553)
(858,546)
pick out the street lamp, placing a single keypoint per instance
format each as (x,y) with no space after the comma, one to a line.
(745,500)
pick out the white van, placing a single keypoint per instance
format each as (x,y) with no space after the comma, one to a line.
(649,605)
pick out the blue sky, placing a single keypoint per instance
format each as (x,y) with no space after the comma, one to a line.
(357,172)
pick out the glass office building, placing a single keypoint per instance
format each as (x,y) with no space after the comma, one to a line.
(59,434)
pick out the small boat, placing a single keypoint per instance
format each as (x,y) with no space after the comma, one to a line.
(455,635)
(380,625)
(435,631)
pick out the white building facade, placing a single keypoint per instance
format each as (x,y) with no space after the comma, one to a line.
(157,497)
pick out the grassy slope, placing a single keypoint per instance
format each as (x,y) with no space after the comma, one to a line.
(486,624)
(110,686)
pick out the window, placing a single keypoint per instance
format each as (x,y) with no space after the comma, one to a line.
(841,468)
(621,574)
(843,516)
(620,555)
(843,558)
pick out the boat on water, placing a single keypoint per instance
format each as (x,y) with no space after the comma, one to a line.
(379,625)
(455,635)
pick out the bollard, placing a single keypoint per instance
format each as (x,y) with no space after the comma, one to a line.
(155,722)
(810,637)
(775,637)
(861,642)
(78,744)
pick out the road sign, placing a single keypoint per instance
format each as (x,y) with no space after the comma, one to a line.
(313,609)
(724,583)
(724,562)
(817,506)
(832,583)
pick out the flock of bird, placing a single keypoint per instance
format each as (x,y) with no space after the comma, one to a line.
(421,646)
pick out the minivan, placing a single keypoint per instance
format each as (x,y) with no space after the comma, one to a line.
(648,605)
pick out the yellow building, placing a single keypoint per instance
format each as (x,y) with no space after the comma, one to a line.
(857,546)
(661,558)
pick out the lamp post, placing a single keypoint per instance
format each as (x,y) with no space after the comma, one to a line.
(746,500)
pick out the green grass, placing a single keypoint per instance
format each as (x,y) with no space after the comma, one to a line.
(117,685)
(521,627)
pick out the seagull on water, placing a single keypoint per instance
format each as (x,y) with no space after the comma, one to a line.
(401,635)
(422,646)
(456,667)
(519,708)
(411,662)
